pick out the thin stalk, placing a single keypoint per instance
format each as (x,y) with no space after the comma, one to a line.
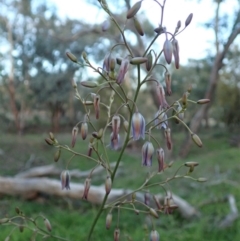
(118,161)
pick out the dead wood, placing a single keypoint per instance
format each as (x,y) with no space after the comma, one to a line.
(29,187)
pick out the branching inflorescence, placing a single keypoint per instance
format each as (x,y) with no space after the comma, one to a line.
(113,73)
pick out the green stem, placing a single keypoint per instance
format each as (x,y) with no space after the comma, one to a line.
(118,161)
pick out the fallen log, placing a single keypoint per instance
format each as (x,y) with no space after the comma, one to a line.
(29,187)
(53,170)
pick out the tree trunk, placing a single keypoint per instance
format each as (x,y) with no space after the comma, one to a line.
(213,81)
(10,86)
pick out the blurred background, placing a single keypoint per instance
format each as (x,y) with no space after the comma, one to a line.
(36,96)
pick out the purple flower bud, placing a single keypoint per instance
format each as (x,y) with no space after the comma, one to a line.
(90,148)
(105,25)
(154,235)
(106,62)
(168,81)
(138,126)
(188,20)
(115,126)
(160,157)
(147,198)
(74,135)
(116,234)
(114,143)
(161,96)
(176,52)
(168,138)
(168,50)
(122,71)
(87,185)
(65,179)
(147,154)
(161,119)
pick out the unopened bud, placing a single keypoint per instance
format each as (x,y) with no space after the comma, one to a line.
(203,101)
(184,99)
(176,53)
(84,130)
(84,55)
(138,26)
(17,210)
(125,125)
(100,133)
(197,140)
(168,138)
(105,25)
(108,220)
(57,155)
(138,60)
(154,235)
(108,184)
(89,84)
(134,9)
(168,50)
(159,207)
(188,20)
(116,234)
(147,198)
(87,185)
(168,82)
(72,57)
(153,212)
(74,135)
(47,225)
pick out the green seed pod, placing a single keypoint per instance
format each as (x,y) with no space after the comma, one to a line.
(149,61)
(203,101)
(125,125)
(188,20)
(190,164)
(49,141)
(4,220)
(197,140)
(21,228)
(138,60)
(112,64)
(202,179)
(51,136)
(134,9)
(17,210)
(184,100)
(138,27)
(84,55)
(89,84)
(88,102)
(57,155)
(72,57)
(153,212)
(100,133)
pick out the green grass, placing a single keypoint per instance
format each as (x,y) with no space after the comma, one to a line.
(72,218)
